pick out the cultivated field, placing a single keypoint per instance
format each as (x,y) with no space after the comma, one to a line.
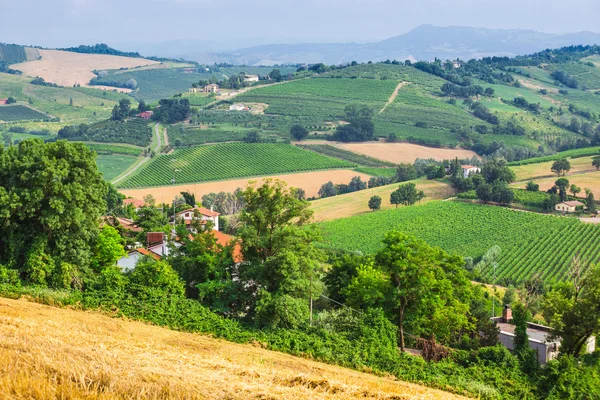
(589,180)
(309,181)
(404,152)
(347,205)
(18,112)
(66,68)
(58,353)
(229,161)
(113,165)
(541,170)
(470,230)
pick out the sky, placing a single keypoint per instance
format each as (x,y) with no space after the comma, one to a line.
(240,23)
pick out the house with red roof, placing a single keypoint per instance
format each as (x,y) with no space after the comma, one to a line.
(199,214)
(145,115)
(137,204)
(470,170)
(3,101)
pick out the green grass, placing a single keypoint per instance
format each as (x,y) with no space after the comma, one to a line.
(198,99)
(387,172)
(109,149)
(587,77)
(470,230)
(575,153)
(349,156)
(17,112)
(215,133)
(229,161)
(113,165)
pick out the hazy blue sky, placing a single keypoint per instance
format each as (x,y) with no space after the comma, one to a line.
(70,22)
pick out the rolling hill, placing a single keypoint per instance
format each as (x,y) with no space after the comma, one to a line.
(60,353)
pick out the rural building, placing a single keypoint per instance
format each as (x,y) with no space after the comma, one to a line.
(470,170)
(189,70)
(457,63)
(199,213)
(146,114)
(129,262)
(3,101)
(225,240)
(569,206)
(250,78)
(238,107)
(194,90)
(137,204)
(212,88)
(539,337)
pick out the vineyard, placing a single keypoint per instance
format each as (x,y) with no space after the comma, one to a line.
(182,135)
(108,149)
(21,113)
(531,243)
(229,161)
(386,172)
(134,131)
(588,77)
(12,53)
(575,153)
(349,156)
(113,165)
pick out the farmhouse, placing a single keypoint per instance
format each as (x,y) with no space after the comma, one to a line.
(569,206)
(470,170)
(137,204)
(250,78)
(194,90)
(199,214)
(212,88)
(540,337)
(145,114)
(189,70)
(238,107)
(3,101)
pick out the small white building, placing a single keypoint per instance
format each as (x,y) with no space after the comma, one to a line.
(201,214)
(211,88)
(251,78)
(540,337)
(238,107)
(470,170)
(569,206)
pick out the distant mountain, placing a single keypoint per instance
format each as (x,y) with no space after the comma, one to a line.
(422,43)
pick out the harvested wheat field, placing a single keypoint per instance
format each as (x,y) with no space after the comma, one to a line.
(52,353)
(309,181)
(543,170)
(66,68)
(589,180)
(347,205)
(404,152)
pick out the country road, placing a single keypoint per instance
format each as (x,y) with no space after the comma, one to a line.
(142,160)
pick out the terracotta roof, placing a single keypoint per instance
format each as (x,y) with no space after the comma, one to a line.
(129,224)
(206,212)
(135,202)
(573,203)
(224,240)
(146,252)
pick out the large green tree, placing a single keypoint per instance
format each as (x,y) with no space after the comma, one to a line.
(51,197)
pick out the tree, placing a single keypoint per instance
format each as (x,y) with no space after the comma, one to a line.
(252,137)
(149,199)
(108,249)
(502,193)
(71,101)
(526,355)
(562,184)
(596,162)
(395,198)
(484,192)
(281,263)
(497,170)
(408,194)
(589,201)
(550,202)
(575,190)
(142,106)
(11,100)
(276,75)
(51,197)
(488,92)
(375,203)
(532,186)
(327,190)
(190,198)
(561,167)
(356,184)
(298,132)
(405,172)
(360,125)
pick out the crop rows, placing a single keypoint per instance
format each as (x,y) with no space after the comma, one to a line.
(114,149)
(350,156)
(229,161)
(531,243)
(20,113)
(575,153)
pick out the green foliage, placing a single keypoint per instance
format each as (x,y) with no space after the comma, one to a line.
(575,153)
(51,196)
(114,149)
(151,275)
(133,131)
(375,203)
(108,249)
(18,112)
(529,240)
(406,195)
(561,167)
(360,125)
(227,161)
(12,53)
(298,132)
(566,378)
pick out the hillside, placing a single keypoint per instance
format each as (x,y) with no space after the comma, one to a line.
(59,353)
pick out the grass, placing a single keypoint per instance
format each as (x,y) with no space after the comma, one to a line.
(113,165)
(228,161)
(214,133)
(18,112)
(470,230)
(387,172)
(62,353)
(541,170)
(575,153)
(589,180)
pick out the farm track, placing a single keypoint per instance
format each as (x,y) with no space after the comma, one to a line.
(142,160)
(393,96)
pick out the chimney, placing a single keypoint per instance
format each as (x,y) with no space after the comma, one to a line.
(212,208)
(506,314)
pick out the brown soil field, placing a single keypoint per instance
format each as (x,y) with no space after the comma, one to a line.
(309,181)
(350,204)
(404,152)
(53,353)
(66,68)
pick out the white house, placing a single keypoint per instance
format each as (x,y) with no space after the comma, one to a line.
(470,170)
(238,107)
(540,337)
(568,206)
(251,78)
(199,213)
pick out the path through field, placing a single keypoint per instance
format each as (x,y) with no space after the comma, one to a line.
(142,160)
(393,96)
(50,353)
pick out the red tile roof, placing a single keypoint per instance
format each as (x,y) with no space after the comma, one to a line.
(146,252)
(206,212)
(224,240)
(136,203)
(129,224)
